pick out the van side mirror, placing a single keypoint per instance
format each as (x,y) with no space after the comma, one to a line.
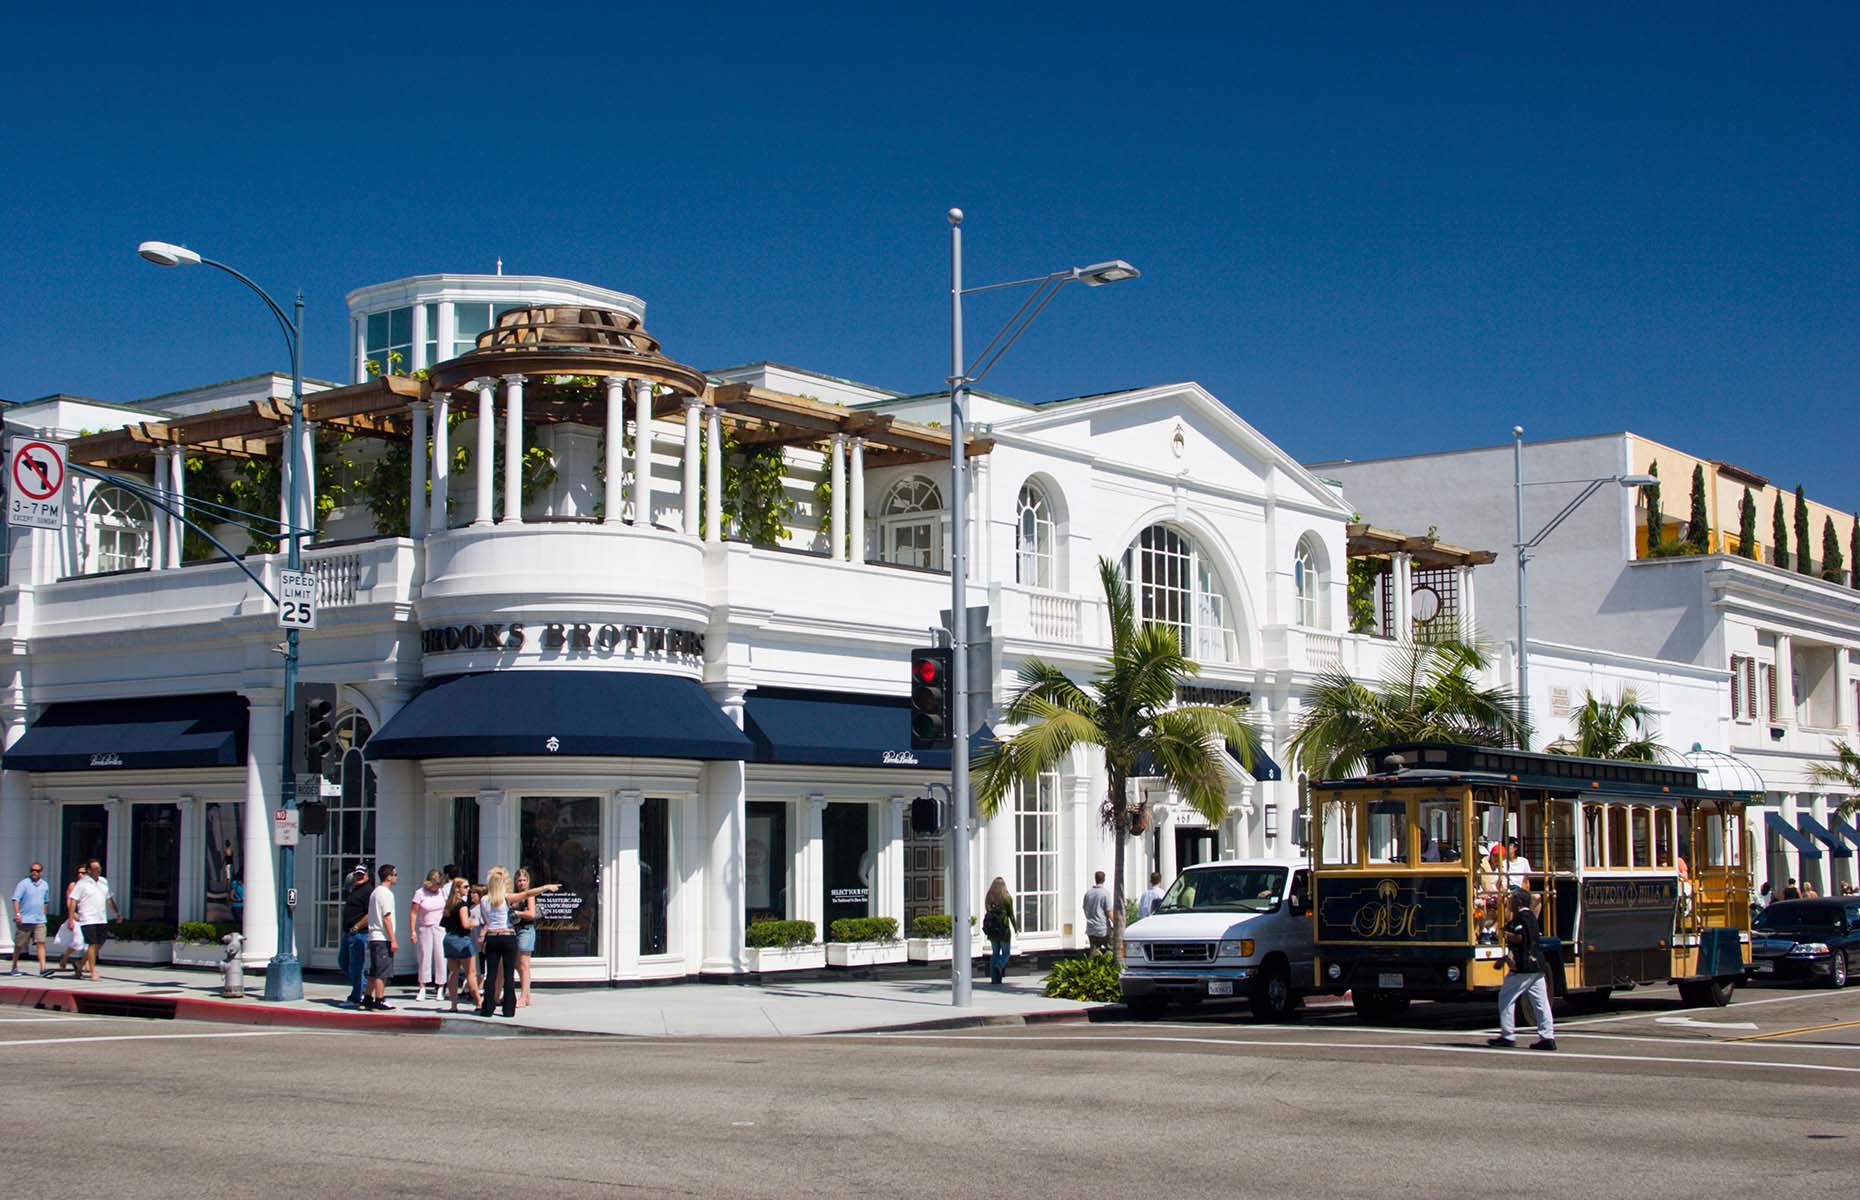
(1296,903)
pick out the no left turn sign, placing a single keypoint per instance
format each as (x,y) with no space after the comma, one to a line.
(36,483)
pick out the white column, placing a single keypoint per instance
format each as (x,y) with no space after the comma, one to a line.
(723,864)
(513,450)
(418,350)
(999,840)
(642,454)
(614,501)
(442,460)
(713,475)
(855,500)
(1165,843)
(809,900)
(16,820)
(162,527)
(888,877)
(177,492)
(836,516)
(448,330)
(1401,595)
(491,832)
(358,349)
(416,476)
(193,853)
(1079,827)
(694,406)
(486,453)
(1469,611)
(624,919)
(116,865)
(265,729)
(306,494)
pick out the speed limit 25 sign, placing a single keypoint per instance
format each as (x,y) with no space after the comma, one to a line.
(296,600)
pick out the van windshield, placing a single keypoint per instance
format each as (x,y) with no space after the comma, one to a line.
(1225,889)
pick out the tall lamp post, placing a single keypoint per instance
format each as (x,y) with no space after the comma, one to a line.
(1045,287)
(1524,548)
(284,978)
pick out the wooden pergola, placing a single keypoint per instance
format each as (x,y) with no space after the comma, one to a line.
(1363,540)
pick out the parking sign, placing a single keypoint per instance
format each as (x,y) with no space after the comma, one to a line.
(35,483)
(296,600)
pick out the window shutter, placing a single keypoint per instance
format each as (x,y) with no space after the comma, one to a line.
(1737,687)
(1769,688)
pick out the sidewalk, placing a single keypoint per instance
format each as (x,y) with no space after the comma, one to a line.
(770,1009)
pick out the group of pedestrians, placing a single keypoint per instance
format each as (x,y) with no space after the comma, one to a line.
(88,906)
(454,926)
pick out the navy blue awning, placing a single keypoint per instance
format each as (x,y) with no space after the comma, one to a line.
(835,729)
(127,735)
(1774,822)
(1264,769)
(1842,829)
(1821,833)
(578,714)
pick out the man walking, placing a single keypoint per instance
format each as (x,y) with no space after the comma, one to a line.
(29,900)
(382,943)
(1098,915)
(1151,897)
(94,901)
(1526,978)
(352,951)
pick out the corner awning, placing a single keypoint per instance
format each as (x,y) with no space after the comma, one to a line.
(1775,824)
(576,714)
(1821,833)
(1842,829)
(127,735)
(834,729)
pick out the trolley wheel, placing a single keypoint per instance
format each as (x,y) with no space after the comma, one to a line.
(1378,1007)
(1837,969)
(1707,993)
(1147,1008)
(1272,998)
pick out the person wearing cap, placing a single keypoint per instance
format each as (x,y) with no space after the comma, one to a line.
(1526,977)
(352,952)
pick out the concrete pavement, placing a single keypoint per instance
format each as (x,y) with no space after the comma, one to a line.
(782,1009)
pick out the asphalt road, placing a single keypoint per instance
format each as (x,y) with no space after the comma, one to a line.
(1648,1099)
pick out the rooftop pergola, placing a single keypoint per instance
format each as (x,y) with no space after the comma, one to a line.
(1363,540)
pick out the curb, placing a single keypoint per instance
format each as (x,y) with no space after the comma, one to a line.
(1056,1016)
(195,1008)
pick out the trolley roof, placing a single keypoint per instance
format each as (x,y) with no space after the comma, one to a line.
(1444,762)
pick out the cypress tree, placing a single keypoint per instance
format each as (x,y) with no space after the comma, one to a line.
(1779,533)
(1651,493)
(1698,524)
(1801,533)
(1853,552)
(1831,564)
(1747,525)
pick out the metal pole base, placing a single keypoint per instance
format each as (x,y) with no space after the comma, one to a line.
(284,978)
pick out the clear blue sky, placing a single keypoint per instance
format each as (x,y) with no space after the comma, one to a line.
(1369,229)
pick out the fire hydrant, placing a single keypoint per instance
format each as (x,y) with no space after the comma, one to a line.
(232,971)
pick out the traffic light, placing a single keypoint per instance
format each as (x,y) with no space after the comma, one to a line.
(930,700)
(316,726)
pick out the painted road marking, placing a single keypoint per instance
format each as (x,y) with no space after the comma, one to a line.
(1689,1023)
(161,1037)
(1421,1046)
(1783,1033)
(1740,1006)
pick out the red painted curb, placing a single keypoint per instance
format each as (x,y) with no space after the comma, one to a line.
(196,1008)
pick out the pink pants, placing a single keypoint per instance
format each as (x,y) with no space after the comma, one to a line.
(429,949)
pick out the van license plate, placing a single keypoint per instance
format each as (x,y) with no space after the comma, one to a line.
(1766,968)
(1220,987)
(1389,979)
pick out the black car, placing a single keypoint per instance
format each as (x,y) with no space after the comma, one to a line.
(1807,939)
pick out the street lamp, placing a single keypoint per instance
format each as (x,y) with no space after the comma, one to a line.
(1045,287)
(1524,548)
(284,978)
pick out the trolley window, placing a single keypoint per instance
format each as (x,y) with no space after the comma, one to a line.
(1591,835)
(1337,832)
(1388,831)
(1440,831)
(1643,836)
(1663,838)
(1562,848)
(1617,836)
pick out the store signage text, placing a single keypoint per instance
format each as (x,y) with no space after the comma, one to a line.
(106,760)
(568,636)
(899,758)
(1200,694)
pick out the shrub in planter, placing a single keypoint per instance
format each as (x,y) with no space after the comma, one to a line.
(141,931)
(864,929)
(783,935)
(204,933)
(933,925)
(1090,977)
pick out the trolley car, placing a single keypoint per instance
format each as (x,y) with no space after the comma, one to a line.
(1638,876)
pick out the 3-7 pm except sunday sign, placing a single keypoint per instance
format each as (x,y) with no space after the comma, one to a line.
(35,483)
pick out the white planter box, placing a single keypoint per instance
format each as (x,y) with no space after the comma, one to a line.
(941,949)
(864,954)
(141,953)
(777,958)
(198,954)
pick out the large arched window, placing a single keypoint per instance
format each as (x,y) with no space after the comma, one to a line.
(1175,584)
(349,791)
(1308,583)
(118,535)
(910,524)
(1034,538)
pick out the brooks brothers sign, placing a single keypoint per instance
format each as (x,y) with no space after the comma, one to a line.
(558,637)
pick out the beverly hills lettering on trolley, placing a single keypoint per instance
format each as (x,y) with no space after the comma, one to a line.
(568,636)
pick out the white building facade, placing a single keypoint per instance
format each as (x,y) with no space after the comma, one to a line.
(564,656)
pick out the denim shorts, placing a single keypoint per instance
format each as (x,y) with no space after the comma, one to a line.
(526,940)
(459,945)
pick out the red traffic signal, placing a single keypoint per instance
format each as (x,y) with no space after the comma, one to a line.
(931,727)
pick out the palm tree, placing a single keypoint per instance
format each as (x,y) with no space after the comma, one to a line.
(1130,713)
(1430,693)
(1844,773)
(1603,730)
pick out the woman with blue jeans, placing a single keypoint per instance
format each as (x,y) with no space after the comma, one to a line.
(998,927)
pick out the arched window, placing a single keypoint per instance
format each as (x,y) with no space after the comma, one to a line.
(1174,584)
(1308,583)
(349,791)
(1034,538)
(118,534)
(910,524)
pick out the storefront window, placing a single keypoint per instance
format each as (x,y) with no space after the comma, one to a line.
(155,863)
(86,829)
(225,862)
(765,862)
(465,837)
(561,840)
(846,861)
(655,873)
(351,836)
(1036,888)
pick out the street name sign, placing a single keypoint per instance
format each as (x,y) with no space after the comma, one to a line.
(35,483)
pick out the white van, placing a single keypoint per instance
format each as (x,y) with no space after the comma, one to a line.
(1225,929)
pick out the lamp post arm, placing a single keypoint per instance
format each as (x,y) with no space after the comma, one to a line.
(149,495)
(1016,325)
(1595,485)
(291,331)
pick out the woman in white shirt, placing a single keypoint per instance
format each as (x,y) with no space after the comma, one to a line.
(500,940)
